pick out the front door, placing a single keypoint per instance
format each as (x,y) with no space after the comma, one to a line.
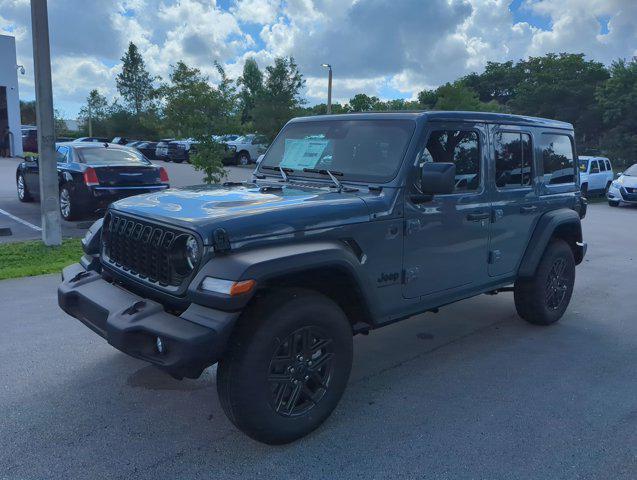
(515,198)
(447,238)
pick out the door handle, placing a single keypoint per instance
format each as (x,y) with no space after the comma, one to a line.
(528,209)
(477,217)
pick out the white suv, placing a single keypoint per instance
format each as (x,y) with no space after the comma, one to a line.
(624,189)
(596,174)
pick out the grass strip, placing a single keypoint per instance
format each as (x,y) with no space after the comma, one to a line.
(26,259)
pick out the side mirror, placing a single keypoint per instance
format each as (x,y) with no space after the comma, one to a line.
(619,174)
(438,178)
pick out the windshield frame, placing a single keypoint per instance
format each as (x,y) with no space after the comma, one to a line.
(347,177)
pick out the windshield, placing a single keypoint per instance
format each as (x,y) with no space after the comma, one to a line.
(240,140)
(111,156)
(361,150)
(631,171)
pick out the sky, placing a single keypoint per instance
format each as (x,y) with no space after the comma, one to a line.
(387,48)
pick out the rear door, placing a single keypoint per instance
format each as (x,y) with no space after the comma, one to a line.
(446,239)
(515,197)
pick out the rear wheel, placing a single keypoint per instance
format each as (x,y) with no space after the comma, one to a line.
(287,366)
(69,208)
(543,298)
(23,192)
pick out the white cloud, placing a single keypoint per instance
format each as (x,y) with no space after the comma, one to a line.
(375,46)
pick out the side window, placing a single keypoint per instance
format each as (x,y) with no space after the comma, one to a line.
(461,147)
(513,159)
(558,159)
(594,167)
(602,165)
(608,167)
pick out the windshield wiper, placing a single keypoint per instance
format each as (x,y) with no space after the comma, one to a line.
(332,175)
(283,170)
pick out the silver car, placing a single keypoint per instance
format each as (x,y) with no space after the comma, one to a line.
(246,149)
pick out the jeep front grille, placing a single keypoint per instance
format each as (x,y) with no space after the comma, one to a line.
(141,248)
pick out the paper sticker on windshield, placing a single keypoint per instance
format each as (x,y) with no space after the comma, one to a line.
(303,153)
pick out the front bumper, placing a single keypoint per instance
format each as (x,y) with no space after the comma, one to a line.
(622,195)
(192,341)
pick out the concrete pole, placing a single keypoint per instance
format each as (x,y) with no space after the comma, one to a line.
(329,91)
(49,189)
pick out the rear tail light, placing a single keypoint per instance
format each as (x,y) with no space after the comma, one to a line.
(90,177)
(163,175)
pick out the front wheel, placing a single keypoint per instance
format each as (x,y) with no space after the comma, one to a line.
(243,159)
(613,203)
(287,366)
(23,192)
(543,298)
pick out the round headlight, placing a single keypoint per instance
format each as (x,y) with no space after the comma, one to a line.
(185,254)
(192,251)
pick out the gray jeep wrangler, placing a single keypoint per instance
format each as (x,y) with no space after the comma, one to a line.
(351,222)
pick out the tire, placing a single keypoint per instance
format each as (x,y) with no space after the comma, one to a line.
(69,208)
(584,189)
(23,192)
(266,364)
(543,298)
(613,203)
(243,158)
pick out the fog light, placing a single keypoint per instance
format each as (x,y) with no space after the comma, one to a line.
(160,345)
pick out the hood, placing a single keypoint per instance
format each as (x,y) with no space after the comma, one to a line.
(247,212)
(627,181)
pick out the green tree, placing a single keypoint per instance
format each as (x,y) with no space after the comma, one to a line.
(99,112)
(561,87)
(498,82)
(363,103)
(281,97)
(455,96)
(251,83)
(27,112)
(617,100)
(134,83)
(427,99)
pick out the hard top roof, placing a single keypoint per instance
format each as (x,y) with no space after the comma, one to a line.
(481,117)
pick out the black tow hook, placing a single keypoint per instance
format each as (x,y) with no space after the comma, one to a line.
(135,308)
(79,277)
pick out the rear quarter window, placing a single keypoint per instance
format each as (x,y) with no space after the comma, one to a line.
(558,159)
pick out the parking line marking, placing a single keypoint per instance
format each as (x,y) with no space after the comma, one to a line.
(19,220)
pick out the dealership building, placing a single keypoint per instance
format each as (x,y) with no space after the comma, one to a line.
(9,95)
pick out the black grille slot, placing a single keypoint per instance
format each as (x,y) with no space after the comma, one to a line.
(141,248)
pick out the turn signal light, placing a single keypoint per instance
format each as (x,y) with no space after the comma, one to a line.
(90,177)
(163,175)
(227,287)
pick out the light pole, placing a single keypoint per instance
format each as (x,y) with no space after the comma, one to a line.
(329,87)
(49,191)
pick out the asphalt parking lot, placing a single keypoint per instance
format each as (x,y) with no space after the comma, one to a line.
(24,218)
(471,392)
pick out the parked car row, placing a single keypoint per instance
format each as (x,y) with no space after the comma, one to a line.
(241,149)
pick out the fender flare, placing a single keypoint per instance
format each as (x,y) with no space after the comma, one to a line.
(545,229)
(267,264)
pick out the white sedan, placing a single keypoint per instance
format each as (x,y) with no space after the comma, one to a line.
(624,189)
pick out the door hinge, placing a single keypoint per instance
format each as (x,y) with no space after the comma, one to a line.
(494,256)
(411,274)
